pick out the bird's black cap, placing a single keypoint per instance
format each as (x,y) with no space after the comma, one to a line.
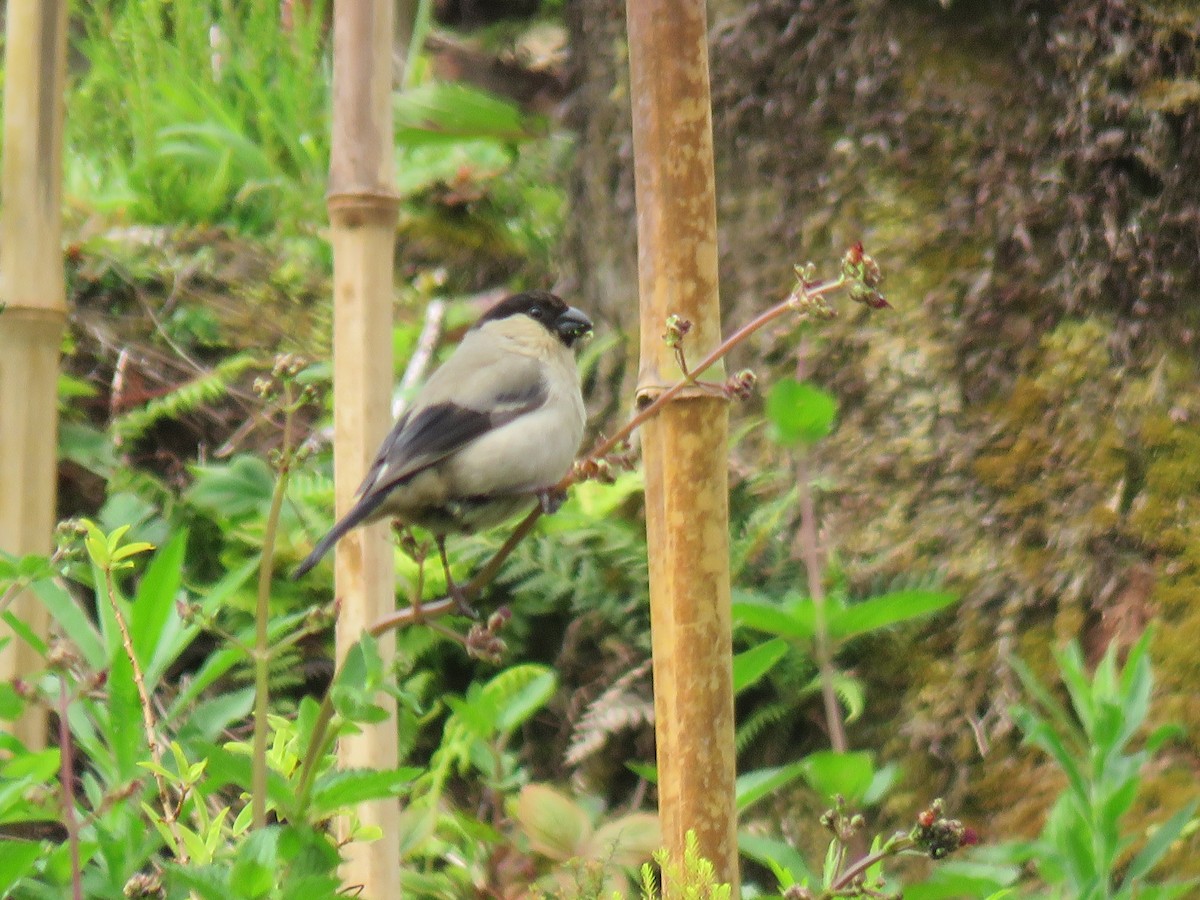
(568,323)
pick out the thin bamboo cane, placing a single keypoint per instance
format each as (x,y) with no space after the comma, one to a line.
(362,210)
(685,447)
(34,297)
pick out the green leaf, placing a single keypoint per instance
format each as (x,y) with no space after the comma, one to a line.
(154,609)
(627,841)
(531,697)
(556,826)
(647,771)
(255,869)
(346,787)
(16,861)
(954,879)
(797,623)
(1158,845)
(235,490)
(73,621)
(830,773)
(776,854)
(11,703)
(96,544)
(751,665)
(443,112)
(754,786)
(885,610)
(881,783)
(799,412)
(40,765)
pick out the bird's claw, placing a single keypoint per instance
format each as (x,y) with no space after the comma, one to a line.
(459,596)
(551,499)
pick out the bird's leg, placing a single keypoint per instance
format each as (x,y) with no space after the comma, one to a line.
(408,543)
(550,499)
(456,593)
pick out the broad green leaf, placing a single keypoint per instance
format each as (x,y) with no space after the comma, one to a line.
(887,609)
(255,871)
(96,544)
(830,773)
(555,825)
(796,623)
(531,697)
(754,786)
(234,490)
(346,787)
(11,703)
(953,879)
(775,854)
(444,112)
(75,623)
(627,841)
(751,665)
(16,861)
(799,412)
(39,765)
(647,771)
(153,608)
(881,783)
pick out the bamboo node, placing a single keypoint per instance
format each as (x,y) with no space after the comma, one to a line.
(356,209)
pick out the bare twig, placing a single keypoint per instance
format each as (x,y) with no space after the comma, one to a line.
(816,589)
(262,648)
(67,778)
(139,680)
(418,363)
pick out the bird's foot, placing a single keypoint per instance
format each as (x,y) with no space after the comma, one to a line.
(459,596)
(550,499)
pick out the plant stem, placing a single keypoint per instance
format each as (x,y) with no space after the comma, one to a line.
(139,680)
(262,647)
(816,590)
(894,847)
(66,776)
(318,744)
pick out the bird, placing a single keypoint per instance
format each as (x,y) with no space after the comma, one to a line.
(493,430)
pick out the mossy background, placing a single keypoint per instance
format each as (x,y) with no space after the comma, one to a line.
(1026,422)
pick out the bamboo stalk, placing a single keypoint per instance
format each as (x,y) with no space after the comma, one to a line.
(34,297)
(362,212)
(685,446)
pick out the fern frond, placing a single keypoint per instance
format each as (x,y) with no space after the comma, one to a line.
(762,719)
(188,397)
(618,708)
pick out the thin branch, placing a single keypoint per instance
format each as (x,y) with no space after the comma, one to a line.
(66,775)
(816,589)
(418,363)
(898,844)
(139,680)
(262,647)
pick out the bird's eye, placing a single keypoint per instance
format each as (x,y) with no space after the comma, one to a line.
(535,312)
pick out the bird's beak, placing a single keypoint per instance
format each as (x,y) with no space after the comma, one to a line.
(572,325)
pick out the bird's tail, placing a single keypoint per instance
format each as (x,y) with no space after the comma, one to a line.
(357,515)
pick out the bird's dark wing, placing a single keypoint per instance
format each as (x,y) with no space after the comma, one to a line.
(431,434)
(423,438)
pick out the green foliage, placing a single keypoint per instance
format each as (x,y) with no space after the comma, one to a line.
(691,878)
(799,413)
(1082,849)
(105,674)
(225,113)
(581,847)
